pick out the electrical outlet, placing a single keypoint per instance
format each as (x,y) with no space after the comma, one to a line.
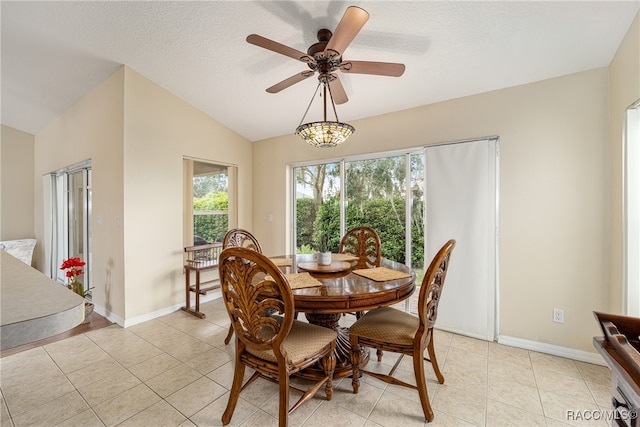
(558,315)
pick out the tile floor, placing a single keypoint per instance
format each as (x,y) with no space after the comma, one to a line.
(176,371)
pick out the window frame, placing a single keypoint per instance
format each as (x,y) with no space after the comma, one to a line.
(190,212)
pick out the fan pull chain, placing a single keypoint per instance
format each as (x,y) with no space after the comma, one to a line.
(335,113)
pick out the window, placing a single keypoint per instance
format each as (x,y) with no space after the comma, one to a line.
(208,201)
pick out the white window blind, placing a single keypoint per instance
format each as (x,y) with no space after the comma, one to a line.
(461,204)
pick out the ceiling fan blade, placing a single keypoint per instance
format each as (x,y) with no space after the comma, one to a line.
(351,23)
(337,91)
(296,78)
(278,48)
(391,69)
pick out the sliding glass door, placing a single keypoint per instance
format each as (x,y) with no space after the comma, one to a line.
(416,200)
(384,193)
(317,206)
(78,206)
(71,219)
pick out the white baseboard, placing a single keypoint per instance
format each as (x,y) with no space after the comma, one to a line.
(111,317)
(555,350)
(210,296)
(465,333)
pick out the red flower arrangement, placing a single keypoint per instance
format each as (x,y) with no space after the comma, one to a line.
(74,269)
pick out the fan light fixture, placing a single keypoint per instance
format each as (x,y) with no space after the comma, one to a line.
(324,134)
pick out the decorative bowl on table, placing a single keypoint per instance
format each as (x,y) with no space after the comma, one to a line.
(315,267)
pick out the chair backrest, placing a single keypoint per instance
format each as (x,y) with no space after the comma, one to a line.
(431,288)
(364,243)
(253,289)
(241,238)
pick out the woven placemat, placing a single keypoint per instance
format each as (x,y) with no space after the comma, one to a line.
(300,280)
(344,257)
(282,262)
(381,274)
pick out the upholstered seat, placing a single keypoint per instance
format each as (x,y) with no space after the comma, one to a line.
(393,330)
(303,340)
(388,325)
(269,340)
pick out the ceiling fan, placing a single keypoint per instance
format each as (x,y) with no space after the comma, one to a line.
(325,56)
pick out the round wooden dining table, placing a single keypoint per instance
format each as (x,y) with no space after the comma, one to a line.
(345,292)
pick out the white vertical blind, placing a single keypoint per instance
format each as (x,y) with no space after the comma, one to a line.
(49,197)
(461,204)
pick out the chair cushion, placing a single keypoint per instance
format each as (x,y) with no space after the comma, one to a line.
(304,341)
(387,324)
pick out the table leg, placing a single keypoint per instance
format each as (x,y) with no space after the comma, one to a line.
(343,348)
(188,280)
(197,291)
(187,306)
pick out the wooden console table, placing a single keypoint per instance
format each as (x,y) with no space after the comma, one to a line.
(200,258)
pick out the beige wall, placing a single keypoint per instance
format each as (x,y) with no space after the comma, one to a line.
(136,135)
(16,176)
(92,129)
(624,89)
(159,130)
(554,193)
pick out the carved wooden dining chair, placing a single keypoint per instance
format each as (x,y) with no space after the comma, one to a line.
(393,330)
(238,237)
(275,345)
(364,243)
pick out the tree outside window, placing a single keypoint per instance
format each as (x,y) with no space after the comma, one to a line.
(210,203)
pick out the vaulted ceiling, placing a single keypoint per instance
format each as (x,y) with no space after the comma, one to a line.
(55,52)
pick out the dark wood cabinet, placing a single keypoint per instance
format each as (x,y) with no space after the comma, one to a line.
(619,348)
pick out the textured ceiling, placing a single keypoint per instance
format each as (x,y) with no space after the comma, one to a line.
(53,53)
